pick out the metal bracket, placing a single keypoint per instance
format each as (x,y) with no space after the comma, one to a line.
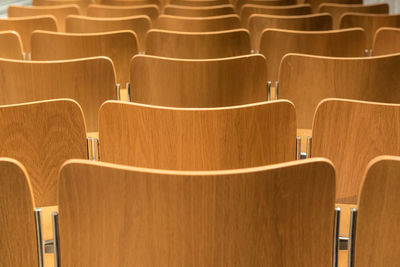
(128,91)
(269,83)
(56,244)
(49,246)
(276,90)
(308,147)
(96,149)
(343,243)
(89,142)
(336,239)
(39,237)
(352,235)
(118,88)
(298,147)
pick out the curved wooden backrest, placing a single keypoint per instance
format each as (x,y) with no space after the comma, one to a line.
(316,3)
(119,46)
(275,44)
(337,10)
(240,3)
(207,11)
(197,139)
(89,81)
(138,24)
(198,82)
(83,4)
(59,12)
(26,25)
(386,41)
(131,2)
(377,232)
(369,22)
(369,78)
(10,45)
(351,133)
(199,3)
(198,45)
(17,224)
(106,11)
(279,215)
(314,22)
(193,24)
(248,9)
(42,135)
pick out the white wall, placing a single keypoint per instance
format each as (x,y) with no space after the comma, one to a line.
(5,3)
(394,4)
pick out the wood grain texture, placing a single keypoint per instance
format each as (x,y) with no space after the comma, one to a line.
(199,45)
(89,81)
(280,215)
(199,3)
(42,135)
(276,43)
(351,133)
(107,11)
(131,2)
(17,224)
(197,139)
(369,79)
(138,24)
(11,45)
(240,3)
(377,233)
(119,46)
(316,3)
(337,10)
(386,41)
(249,9)
(315,22)
(207,11)
(59,12)
(26,25)
(83,4)
(193,24)
(369,22)
(198,82)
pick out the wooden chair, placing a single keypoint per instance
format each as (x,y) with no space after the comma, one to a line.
(89,81)
(198,82)
(131,2)
(369,22)
(188,11)
(369,79)
(377,232)
(83,4)
(386,41)
(199,3)
(351,133)
(59,12)
(248,9)
(240,3)
(138,24)
(198,45)
(106,11)
(26,25)
(42,135)
(197,139)
(275,44)
(119,46)
(315,22)
(191,24)
(337,10)
(315,4)
(255,217)
(10,45)
(17,224)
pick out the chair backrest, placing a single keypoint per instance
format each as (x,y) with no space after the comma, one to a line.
(369,79)
(26,25)
(337,10)
(369,22)
(279,215)
(83,4)
(42,135)
(207,11)
(138,24)
(59,12)
(197,139)
(10,45)
(199,3)
(216,82)
(315,22)
(119,46)
(199,45)
(106,11)
(17,224)
(131,2)
(240,3)
(193,24)
(249,9)
(275,44)
(89,81)
(316,3)
(351,133)
(377,232)
(386,41)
